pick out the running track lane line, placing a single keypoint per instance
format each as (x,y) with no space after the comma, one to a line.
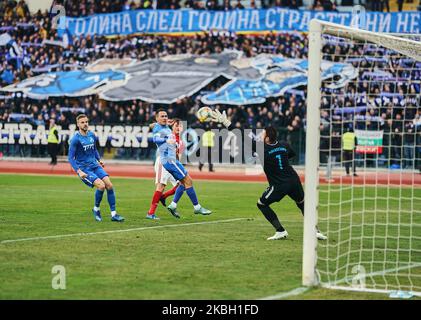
(119,231)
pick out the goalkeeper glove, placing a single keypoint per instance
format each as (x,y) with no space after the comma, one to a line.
(219,117)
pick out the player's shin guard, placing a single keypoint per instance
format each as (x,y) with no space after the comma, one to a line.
(178,193)
(270,216)
(192,195)
(111,199)
(98,198)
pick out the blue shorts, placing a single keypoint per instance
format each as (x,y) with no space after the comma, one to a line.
(93,174)
(175,168)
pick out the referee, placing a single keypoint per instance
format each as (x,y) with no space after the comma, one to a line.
(283,181)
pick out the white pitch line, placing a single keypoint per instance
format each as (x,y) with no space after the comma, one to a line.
(283,295)
(120,231)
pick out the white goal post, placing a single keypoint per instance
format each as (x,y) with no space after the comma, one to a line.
(373,219)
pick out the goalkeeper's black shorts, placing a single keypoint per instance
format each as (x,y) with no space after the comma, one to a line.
(276,193)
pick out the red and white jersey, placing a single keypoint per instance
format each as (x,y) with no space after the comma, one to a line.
(161,174)
(180,145)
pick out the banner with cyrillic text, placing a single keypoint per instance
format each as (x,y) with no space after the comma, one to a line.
(249,20)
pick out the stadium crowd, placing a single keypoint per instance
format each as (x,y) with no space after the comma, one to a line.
(37,49)
(88,7)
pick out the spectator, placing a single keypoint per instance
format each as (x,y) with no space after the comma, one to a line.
(239,5)
(227,5)
(409,145)
(7,76)
(397,133)
(385,5)
(400,5)
(317,6)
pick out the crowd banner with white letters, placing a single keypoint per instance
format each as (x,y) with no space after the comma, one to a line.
(119,136)
(248,20)
(236,145)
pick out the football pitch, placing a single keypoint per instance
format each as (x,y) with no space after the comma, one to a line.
(46,221)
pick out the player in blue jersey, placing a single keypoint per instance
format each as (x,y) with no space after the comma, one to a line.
(85,160)
(167,149)
(163,177)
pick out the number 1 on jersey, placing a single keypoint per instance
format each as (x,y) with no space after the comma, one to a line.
(280,161)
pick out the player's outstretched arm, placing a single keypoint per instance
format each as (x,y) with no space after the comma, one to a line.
(219,117)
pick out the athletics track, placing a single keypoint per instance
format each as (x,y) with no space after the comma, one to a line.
(142,170)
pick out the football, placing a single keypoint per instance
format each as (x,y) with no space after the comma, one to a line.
(204,114)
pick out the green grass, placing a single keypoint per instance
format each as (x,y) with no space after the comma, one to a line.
(229,260)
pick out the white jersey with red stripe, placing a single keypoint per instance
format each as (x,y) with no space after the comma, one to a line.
(180,146)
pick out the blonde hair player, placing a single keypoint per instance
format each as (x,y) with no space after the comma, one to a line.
(86,161)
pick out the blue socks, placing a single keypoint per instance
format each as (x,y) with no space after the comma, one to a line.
(192,195)
(111,199)
(98,197)
(178,193)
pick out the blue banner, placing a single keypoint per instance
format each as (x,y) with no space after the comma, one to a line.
(275,19)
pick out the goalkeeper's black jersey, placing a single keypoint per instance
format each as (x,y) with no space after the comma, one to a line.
(276,163)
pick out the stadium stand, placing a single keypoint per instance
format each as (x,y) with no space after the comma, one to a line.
(36,49)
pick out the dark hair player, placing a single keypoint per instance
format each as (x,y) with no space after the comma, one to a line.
(283,180)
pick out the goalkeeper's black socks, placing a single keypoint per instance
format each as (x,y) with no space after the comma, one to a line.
(271,216)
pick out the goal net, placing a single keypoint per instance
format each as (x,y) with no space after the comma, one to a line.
(367,123)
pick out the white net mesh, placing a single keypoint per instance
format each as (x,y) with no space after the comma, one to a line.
(373,218)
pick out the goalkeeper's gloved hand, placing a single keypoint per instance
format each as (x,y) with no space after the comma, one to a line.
(219,117)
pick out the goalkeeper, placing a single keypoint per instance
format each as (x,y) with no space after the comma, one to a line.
(283,179)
